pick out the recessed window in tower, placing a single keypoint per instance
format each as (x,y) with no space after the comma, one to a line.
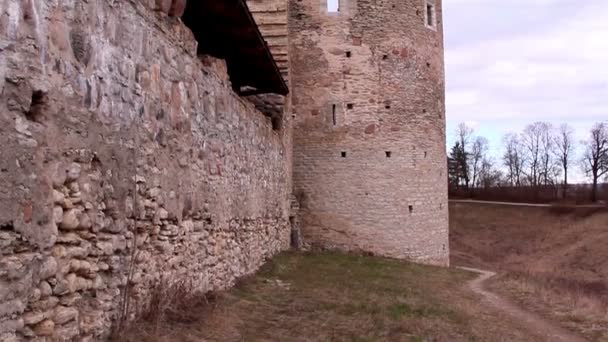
(388,154)
(350,106)
(333,114)
(348,54)
(343,154)
(430,15)
(333,6)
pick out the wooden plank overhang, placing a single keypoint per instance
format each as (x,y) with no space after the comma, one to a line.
(226,29)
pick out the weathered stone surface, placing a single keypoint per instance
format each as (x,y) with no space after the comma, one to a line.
(11,325)
(48,268)
(32,318)
(145,157)
(11,307)
(356,75)
(115,168)
(64,314)
(73,172)
(45,328)
(70,219)
(45,289)
(58,214)
(177,8)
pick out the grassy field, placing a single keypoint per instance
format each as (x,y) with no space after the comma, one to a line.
(551,260)
(335,297)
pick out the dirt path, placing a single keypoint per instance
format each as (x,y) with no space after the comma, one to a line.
(532,322)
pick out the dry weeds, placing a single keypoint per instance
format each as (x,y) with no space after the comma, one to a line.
(337,297)
(552,260)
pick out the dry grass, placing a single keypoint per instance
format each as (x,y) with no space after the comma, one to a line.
(339,297)
(552,260)
(171,306)
(580,306)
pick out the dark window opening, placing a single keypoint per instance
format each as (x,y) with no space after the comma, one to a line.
(37,106)
(350,106)
(276,123)
(387,106)
(428,65)
(384,57)
(425,154)
(333,114)
(348,54)
(430,15)
(388,154)
(343,154)
(411,208)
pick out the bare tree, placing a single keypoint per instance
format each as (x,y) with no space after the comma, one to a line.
(464,134)
(489,175)
(547,165)
(595,158)
(479,149)
(564,150)
(513,159)
(535,139)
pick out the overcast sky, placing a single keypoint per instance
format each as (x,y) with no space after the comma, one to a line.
(512,62)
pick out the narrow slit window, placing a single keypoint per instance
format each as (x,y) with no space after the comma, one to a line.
(348,54)
(333,114)
(430,15)
(333,6)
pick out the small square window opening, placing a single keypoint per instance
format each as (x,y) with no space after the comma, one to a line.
(348,54)
(350,106)
(388,154)
(343,154)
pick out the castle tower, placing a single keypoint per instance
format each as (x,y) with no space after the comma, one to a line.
(367,80)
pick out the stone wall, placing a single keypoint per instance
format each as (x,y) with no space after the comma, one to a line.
(120,147)
(369,134)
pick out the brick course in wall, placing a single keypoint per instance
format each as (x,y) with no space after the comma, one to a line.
(120,146)
(369,134)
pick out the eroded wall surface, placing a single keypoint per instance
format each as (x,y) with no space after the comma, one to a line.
(369,134)
(120,148)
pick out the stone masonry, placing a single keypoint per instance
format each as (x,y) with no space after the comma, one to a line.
(126,158)
(369,136)
(120,146)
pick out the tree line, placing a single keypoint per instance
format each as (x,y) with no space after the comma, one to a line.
(540,155)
